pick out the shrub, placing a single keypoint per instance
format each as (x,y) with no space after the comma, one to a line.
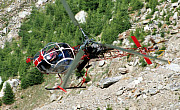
(81,74)
(168,22)
(159,25)
(33,77)
(0,102)
(154,31)
(136,4)
(148,16)
(174,1)
(8,97)
(162,34)
(143,63)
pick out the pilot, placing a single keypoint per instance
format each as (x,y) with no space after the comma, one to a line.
(53,54)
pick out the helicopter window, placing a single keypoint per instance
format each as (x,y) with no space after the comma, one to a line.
(36,55)
(68,53)
(63,45)
(63,65)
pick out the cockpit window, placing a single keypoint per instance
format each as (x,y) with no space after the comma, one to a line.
(63,45)
(56,57)
(49,48)
(36,55)
(68,53)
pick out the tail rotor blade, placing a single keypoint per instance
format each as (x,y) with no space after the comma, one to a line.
(133,52)
(68,10)
(72,67)
(136,41)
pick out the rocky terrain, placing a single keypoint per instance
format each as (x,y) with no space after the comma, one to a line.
(12,14)
(140,88)
(155,87)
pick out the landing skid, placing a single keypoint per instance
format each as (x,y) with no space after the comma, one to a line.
(75,87)
(64,89)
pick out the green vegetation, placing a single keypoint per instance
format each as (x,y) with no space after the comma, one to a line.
(139,33)
(5,3)
(154,31)
(54,25)
(159,25)
(152,4)
(143,63)
(0,102)
(98,109)
(136,4)
(8,97)
(162,34)
(119,23)
(174,1)
(81,74)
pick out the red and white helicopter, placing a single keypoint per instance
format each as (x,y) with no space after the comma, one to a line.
(61,58)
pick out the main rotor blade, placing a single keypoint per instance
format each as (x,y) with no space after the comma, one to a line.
(72,67)
(68,10)
(133,52)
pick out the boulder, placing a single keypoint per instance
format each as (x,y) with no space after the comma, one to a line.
(102,63)
(53,97)
(104,83)
(143,10)
(130,67)
(23,14)
(174,31)
(8,9)
(134,83)
(81,16)
(175,16)
(126,42)
(116,42)
(123,70)
(11,35)
(146,21)
(174,5)
(175,87)
(174,67)
(153,91)
(149,10)
(40,2)
(5,30)
(146,28)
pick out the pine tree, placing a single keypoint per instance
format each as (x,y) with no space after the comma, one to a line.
(8,97)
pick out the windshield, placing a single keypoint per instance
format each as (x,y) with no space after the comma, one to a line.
(56,58)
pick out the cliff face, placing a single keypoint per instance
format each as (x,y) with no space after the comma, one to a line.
(12,14)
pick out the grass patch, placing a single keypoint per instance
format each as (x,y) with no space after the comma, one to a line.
(34,96)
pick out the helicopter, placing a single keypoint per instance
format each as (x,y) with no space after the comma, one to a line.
(62,59)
